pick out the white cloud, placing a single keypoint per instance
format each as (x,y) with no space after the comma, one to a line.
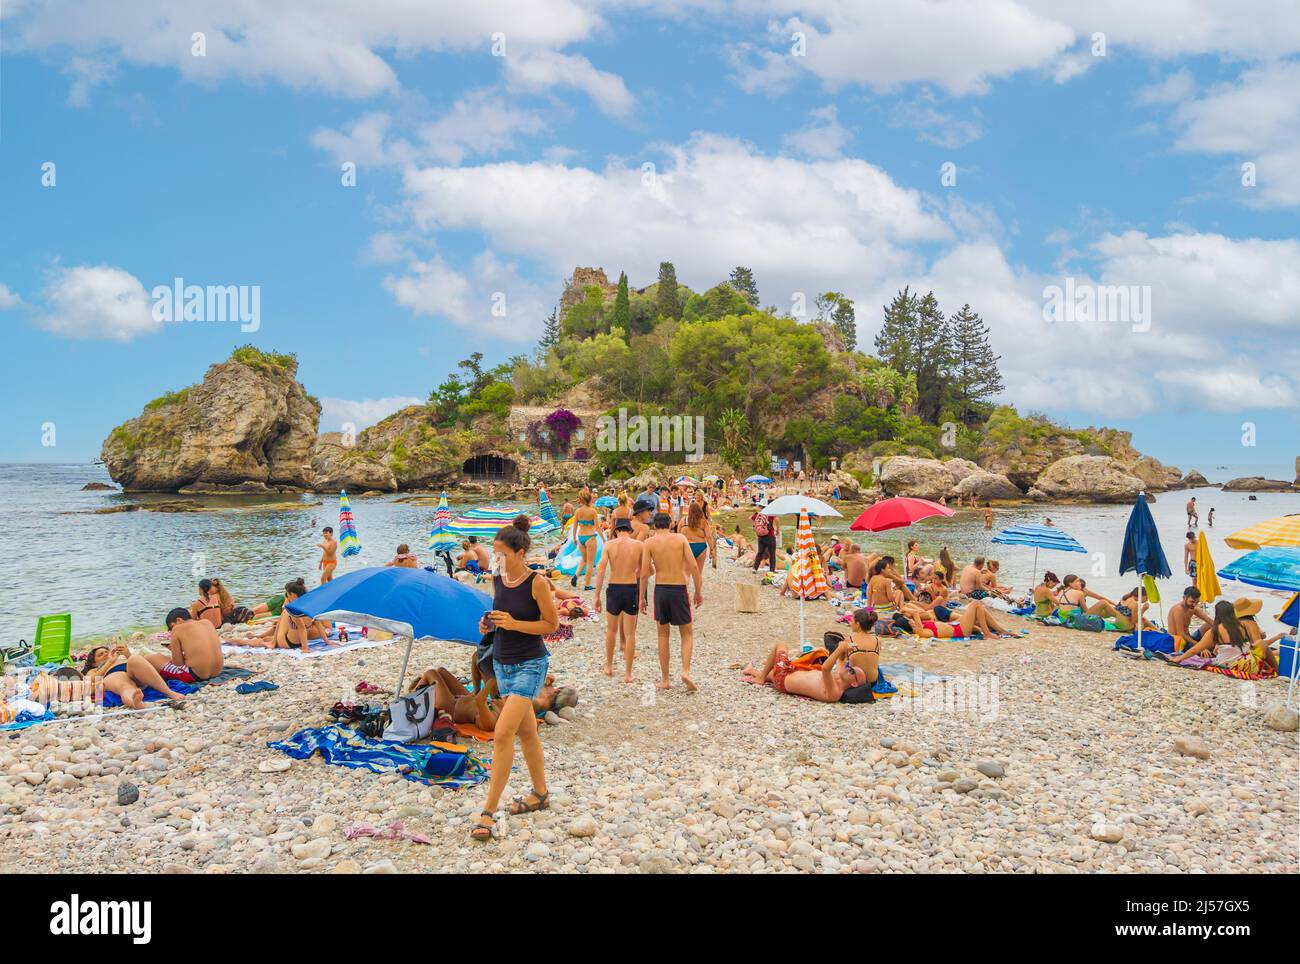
(1255,119)
(481,123)
(824,137)
(935,126)
(490,298)
(8,299)
(101,302)
(541,70)
(715,203)
(337,412)
(331,45)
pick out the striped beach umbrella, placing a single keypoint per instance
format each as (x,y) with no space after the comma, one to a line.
(440,538)
(1038,537)
(546,510)
(487,520)
(349,544)
(686,480)
(807,578)
(1282,531)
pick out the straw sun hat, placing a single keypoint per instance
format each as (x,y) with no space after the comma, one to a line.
(1247,607)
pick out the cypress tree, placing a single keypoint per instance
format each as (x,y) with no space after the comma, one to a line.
(666,303)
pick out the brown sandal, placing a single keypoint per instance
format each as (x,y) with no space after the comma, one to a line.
(481,832)
(520,805)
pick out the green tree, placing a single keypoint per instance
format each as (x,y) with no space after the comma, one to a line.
(975,377)
(717,302)
(894,341)
(588,317)
(622,307)
(932,348)
(550,331)
(837,311)
(742,279)
(667,304)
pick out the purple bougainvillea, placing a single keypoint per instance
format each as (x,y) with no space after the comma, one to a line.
(553,433)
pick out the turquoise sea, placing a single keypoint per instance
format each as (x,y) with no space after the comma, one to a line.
(125,570)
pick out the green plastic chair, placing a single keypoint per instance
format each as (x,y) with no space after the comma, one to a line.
(54,639)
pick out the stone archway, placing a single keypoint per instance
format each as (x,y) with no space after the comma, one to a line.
(490,468)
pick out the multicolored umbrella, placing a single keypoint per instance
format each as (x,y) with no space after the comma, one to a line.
(807,579)
(1206,581)
(1283,531)
(349,544)
(487,520)
(545,509)
(440,538)
(686,480)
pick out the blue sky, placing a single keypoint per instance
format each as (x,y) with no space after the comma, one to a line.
(480,175)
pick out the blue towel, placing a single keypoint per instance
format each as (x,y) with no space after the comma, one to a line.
(339,746)
(1151,640)
(1023,611)
(151,695)
(883,685)
(261,686)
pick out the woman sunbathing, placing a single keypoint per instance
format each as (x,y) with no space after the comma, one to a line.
(288,630)
(125,674)
(971,618)
(1045,601)
(826,684)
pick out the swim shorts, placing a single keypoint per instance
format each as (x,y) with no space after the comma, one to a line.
(672,606)
(621,598)
(177,671)
(780,670)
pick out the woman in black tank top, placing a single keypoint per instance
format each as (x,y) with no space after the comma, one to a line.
(523,611)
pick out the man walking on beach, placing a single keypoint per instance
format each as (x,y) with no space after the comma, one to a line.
(623,559)
(642,512)
(668,557)
(1192,518)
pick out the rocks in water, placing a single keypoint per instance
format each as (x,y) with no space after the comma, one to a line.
(960,469)
(1192,746)
(1088,478)
(991,769)
(1257,483)
(337,464)
(127,794)
(1194,480)
(918,478)
(98,487)
(248,422)
(987,487)
(1279,716)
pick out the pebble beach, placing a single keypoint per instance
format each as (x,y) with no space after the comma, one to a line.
(1044,754)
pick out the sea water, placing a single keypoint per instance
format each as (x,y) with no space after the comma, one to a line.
(125,570)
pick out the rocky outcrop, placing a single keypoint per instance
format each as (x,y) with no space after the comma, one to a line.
(1087,478)
(98,487)
(918,478)
(849,488)
(1155,476)
(1193,480)
(988,487)
(1257,483)
(960,469)
(248,426)
(337,465)
(559,475)
(575,288)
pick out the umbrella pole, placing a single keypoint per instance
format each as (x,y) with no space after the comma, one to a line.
(1034,582)
(406,659)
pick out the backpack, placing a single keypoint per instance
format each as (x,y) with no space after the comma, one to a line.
(762,525)
(1081,620)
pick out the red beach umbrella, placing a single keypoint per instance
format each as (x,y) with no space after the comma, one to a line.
(897,513)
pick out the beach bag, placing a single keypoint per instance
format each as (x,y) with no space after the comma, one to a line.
(412,716)
(1088,623)
(241,614)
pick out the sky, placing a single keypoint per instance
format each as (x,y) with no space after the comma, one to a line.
(400,183)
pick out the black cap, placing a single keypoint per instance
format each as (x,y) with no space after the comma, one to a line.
(623,524)
(645,505)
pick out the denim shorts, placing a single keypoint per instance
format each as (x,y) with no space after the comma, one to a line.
(521,679)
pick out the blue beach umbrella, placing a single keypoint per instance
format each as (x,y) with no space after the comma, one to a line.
(1038,537)
(606,502)
(759,479)
(1141,552)
(415,603)
(1275,567)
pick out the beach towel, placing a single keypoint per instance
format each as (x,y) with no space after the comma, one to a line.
(394,831)
(151,695)
(441,764)
(1153,641)
(473,732)
(317,647)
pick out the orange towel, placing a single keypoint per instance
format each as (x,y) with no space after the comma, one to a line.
(473,732)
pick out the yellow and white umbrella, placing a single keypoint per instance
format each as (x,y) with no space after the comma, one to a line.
(1282,531)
